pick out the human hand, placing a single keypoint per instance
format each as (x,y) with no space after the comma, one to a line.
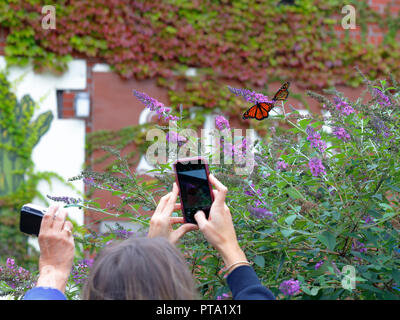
(161,222)
(57,249)
(218,229)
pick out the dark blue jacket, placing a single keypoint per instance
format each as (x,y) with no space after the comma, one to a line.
(245,285)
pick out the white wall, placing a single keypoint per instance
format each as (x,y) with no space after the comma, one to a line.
(62,148)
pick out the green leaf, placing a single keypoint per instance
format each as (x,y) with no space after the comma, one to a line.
(283,257)
(287,233)
(260,261)
(281,184)
(396,275)
(289,220)
(385,206)
(314,291)
(304,123)
(292,192)
(328,239)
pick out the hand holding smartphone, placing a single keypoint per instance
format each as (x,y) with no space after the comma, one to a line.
(195,190)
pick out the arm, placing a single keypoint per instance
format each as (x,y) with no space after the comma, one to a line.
(245,285)
(56,256)
(220,232)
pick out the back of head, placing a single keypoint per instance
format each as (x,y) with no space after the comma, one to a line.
(140,268)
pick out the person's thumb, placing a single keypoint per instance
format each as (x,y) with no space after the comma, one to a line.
(200,218)
(178,233)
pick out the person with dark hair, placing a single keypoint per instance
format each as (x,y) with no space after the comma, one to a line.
(149,268)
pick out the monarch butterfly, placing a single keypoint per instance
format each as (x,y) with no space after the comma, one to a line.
(261,110)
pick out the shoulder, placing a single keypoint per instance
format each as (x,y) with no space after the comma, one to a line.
(44,293)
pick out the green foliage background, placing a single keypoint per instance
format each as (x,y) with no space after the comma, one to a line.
(18,182)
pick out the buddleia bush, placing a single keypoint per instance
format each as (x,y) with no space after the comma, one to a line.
(319,214)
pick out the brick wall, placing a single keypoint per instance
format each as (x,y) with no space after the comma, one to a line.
(3,36)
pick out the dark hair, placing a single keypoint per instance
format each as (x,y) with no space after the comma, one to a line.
(140,269)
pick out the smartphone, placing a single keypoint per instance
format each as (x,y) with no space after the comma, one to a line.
(31,218)
(195,190)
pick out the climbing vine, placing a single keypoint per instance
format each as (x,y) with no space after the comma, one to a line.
(250,41)
(19,134)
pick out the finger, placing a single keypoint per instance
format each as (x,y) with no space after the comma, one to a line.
(226,207)
(178,233)
(169,207)
(161,204)
(68,226)
(222,190)
(175,220)
(215,193)
(59,219)
(201,220)
(48,217)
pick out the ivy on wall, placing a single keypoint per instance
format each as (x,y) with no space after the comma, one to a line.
(19,134)
(253,42)
(250,41)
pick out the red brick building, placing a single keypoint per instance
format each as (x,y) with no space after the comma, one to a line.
(113,105)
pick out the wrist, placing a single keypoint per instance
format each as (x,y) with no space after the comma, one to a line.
(231,255)
(53,278)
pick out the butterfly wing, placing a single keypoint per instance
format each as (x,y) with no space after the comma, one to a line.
(259,111)
(282,93)
(251,113)
(265,108)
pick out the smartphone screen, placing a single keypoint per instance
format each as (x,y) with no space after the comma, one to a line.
(195,189)
(31,219)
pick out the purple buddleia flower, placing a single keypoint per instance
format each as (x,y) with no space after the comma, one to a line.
(250,96)
(237,150)
(257,194)
(221,123)
(381,98)
(358,246)
(281,165)
(80,271)
(290,287)
(341,134)
(154,105)
(319,264)
(10,263)
(316,167)
(174,137)
(251,191)
(89,181)
(260,213)
(16,277)
(343,106)
(315,139)
(66,200)
(223,297)
(122,233)
(380,127)
(368,219)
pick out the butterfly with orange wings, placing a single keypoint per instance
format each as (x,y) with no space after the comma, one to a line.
(261,110)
